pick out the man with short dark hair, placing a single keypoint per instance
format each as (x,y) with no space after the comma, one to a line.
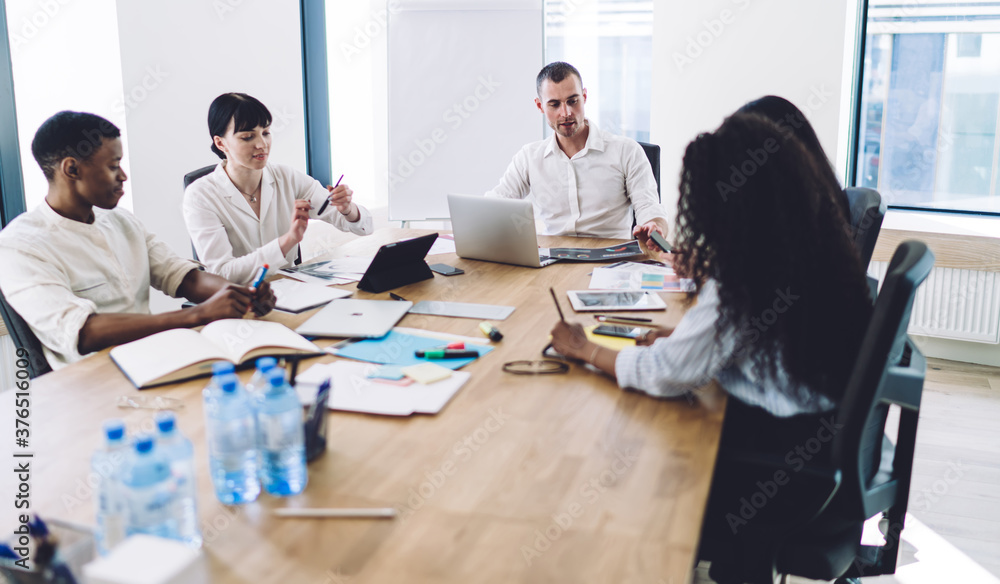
(584,181)
(78,270)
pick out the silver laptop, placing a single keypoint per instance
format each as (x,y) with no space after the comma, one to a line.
(353,318)
(496,230)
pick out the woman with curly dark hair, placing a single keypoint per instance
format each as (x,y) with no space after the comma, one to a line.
(782,301)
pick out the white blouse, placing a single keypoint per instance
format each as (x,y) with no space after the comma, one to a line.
(229,238)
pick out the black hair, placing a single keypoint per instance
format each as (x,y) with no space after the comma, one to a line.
(757,215)
(555,72)
(791,119)
(246,112)
(69,135)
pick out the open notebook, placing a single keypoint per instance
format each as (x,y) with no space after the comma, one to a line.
(180,354)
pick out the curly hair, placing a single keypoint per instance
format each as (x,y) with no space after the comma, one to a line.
(759,216)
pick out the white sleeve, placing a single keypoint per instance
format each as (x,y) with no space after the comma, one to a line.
(166,269)
(640,184)
(42,295)
(686,360)
(208,234)
(515,182)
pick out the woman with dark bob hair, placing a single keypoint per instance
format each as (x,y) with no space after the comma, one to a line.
(250,212)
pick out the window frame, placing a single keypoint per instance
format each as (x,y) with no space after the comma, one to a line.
(315,90)
(11,182)
(855,133)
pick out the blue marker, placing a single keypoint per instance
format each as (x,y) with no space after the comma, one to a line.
(260,278)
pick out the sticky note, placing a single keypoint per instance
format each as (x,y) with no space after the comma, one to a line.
(426,373)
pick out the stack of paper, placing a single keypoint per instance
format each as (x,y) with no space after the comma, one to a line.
(295,296)
(352,390)
(638,276)
(331,272)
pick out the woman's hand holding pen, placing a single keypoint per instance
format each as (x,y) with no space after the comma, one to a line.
(570,340)
(297,230)
(341,197)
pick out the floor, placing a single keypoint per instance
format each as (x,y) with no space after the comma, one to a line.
(952,532)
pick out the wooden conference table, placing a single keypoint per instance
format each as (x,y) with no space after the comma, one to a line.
(549,478)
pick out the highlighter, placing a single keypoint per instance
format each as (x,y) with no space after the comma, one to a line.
(491,331)
(260,278)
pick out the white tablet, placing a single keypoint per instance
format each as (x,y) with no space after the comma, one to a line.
(594,300)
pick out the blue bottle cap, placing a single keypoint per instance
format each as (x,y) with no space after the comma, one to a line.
(166,422)
(276,376)
(228,382)
(143,443)
(114,429)
(265,364)
(222,367)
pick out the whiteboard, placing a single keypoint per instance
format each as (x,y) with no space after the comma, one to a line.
(461,83)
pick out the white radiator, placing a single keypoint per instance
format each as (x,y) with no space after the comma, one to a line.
(954,304)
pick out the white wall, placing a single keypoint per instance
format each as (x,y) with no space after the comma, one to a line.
(712,56)
(177,57)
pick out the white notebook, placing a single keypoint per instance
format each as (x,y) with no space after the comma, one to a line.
(353,391)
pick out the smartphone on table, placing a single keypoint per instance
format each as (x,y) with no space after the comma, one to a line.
(620,330)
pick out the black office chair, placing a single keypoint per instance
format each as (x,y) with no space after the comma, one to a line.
(24,338)
(865,474)
(867,212)
(652,152)
(190,178)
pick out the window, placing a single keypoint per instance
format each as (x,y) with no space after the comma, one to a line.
(64,56)
(927,137)
(611,43)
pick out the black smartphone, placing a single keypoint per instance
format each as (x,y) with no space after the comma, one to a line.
(446,270)
(614,330)
(660,242)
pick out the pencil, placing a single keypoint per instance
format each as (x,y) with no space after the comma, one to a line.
(334,513)
(327,201)
(556,300)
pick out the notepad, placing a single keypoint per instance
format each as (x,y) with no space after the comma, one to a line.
(354,391)
(178,354)
(294,296)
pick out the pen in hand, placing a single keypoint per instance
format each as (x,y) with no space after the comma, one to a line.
(556,300)
(326,203)
(261,274)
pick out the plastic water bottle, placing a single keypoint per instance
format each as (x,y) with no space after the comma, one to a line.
(149,491)
(259,382)
(231,433)
(282,438)
(180,454)
(218,370)
(106,465)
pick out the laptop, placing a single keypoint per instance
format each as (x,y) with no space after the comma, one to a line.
(354,318)
(496,230)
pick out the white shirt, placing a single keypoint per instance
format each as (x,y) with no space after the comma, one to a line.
(57,272)
(232,242)
(691,357)
(591,194)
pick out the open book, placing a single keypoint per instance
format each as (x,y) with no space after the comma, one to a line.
(180,354)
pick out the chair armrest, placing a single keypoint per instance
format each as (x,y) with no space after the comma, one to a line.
(905,383)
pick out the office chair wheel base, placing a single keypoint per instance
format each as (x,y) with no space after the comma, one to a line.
(847,581)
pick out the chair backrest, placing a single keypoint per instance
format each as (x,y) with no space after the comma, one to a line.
(653,154)
(24,338)
(867,211)
(889,370)
(196,174)
(190,178)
